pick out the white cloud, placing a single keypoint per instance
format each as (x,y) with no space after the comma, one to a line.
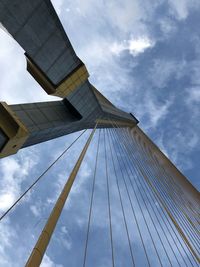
(64,230)
(179,146)
(167,26)
(9,239)
(164,70)
(193,141)
(125,15)
(116,48)
(47,262)
(153,111)
(181,8)
(193,95)
(13,172)
(139,45)
(156,112)
(17,85)
(63,238)
(135,46)
(121,15)
(35,210)
(6,235)
(6,200)
(194,70)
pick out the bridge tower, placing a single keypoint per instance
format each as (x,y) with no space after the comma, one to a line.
(53,63)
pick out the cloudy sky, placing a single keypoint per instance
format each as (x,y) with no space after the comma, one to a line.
(145,57)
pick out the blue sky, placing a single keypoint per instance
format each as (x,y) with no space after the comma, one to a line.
(143,56)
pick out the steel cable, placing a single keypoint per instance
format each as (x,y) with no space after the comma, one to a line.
(171,204)
(108,200)
(158,199)
(144,201)
(121,202)
(181,233)
(91,203)
(138,204)
(40,177)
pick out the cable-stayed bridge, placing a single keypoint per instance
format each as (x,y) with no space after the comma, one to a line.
(146,199)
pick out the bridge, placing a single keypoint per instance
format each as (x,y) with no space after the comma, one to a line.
(146,198)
